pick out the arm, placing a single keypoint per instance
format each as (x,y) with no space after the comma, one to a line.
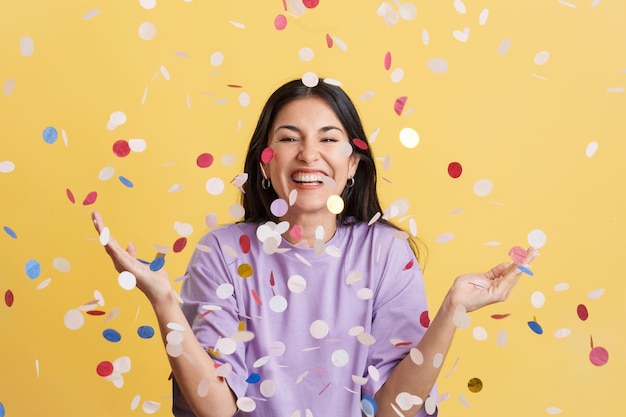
(468,293)
(194,365)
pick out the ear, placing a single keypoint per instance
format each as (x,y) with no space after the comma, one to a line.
(264,171)
(353,164)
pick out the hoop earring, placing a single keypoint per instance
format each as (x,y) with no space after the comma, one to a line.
(265,182)
(350,182)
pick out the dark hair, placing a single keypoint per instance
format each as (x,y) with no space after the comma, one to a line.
(361,201)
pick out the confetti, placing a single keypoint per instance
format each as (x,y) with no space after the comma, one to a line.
(424,319)
(335,204)
(599,356)
(204,160)
(310,79)
(104,368)
(582,312)
(438,65)
(147,31)
(537,299)
(319,329)
(150,407)
(9,298)
(27,46)
(482,18)
(537,238)
(306,54)
(121,148)
(145,332)
(542,57)
(267,155)
(455,169)
(246,404)
(398,105)
(280,22)
(112,335)
(409,137)
(279,207)
(359,143)
(483,188)
(461,35)
(127,280)
(369,406)
(591,149)
(50,135)
(296,284)
(8,88)
(73,319)
(245,270)
(525,270)
(504,46)
(10,232)
(33,269)
(6,167)
(90,198)
(535,327)
(475,385)
(518,254)
(310,4)
(387,61)
(215,186)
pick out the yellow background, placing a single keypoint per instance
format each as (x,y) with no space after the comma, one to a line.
(521,124)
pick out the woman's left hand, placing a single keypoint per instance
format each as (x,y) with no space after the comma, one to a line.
(477,290)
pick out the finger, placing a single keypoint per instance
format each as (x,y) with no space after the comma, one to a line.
(497,271)
(132,249)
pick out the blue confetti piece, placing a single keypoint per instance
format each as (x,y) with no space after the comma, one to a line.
(33,269)
(253,378)
(2,411)
(157,264)
(525,270)
(11,233)
(368,405)
(535,327)
(112,335)
(145,332)
(126,181)
(50,135)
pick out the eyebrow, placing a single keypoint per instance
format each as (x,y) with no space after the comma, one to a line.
(323,129)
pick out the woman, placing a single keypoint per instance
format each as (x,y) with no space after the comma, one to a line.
(311,305)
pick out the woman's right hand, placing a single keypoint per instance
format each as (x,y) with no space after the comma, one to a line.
(155,285)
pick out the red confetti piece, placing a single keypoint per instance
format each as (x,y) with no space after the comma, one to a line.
(455,169)
(70,196)
(388,61)
(296,232)
(582,312)
(325,388)
(280,22)
(204,160)
(9,298)
(90,198)
(256,297)
(500,316)
(244,243)
(424,319)
(96,312)
(409,265)
(272,281)
(267,155)
(121,148)
(329,41)
(398,106)
(359,143)
(403,344)
(104,368)
(310,4)
(180,244)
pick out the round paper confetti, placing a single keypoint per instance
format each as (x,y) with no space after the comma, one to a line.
(542,57)
(245,270)
(319,329)
(150,407)
(147,4)
(50,135)
(591,149)
(306,54)
(215,186)
(409,137)
(6,167)
(90,198)
(483,187)
(518,254)
(535,327)
(310,79)
(280,22)
(369,406)
(179,244)
(438,65)
(455,169)
(335,204)
(126,182)
(137,145)
(582,312)
(279,207)
(8,88)
(537,299)
(504,46)
(537,238)
(112,335)
(61,265)
(479,333)
(278,304)
(157,264)
(416,356)
(121,148)
(268,388)
(145,332)
(253,378)
(33,269)
(127,280)
(310,4)
(246,404)
(475,385)
(147,31)
(296,284)
(74,319)
(204,160)
(9,298)
(267,155)
(104,368)
(27,46)
(340,358)
(599,356)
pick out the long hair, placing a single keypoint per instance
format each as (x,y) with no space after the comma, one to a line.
(361,201)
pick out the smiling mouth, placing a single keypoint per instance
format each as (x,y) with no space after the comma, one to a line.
(307,178)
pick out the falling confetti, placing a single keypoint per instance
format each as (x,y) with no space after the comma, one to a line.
(409,137)
(475,385)
(455,169)
(50,135)
(398,105)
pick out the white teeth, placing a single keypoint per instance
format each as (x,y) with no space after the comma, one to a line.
(302,177)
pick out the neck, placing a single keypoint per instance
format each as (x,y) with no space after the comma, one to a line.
(308,228)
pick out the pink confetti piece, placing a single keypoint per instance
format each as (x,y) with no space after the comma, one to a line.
(310,4)
(518,254)
(90,198)
(280,22)
(409,265)
(70,195)
(399,104)
(204,160)
(296,232)
(179,244)
(388,61)
(598,356)
(267,155)
(256,297)
(329,41)
(424,319)
(582,312)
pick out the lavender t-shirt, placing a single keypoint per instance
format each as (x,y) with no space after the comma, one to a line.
(306,331)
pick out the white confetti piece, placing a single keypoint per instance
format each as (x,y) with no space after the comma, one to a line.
(409,137)
(542,57)
(354,277)
(319,329)
(416,356)
(127,280)
(438,360)
(215,186)
(268,388)
(226,345)
(74,319)
(373,372)
(562,286)
(278,303)
(553,410)
(460,317)
(406,401)
(148,4)
(504,46)
(502,338)
(438,65)
(591,149)
(567,4)
(174,350)
(244,99)
(306,54)
(444,238)
(482,18)
(91,14)
(9,87)
(426,39)
(238,25)
(203,387)
(459,6)
(562,333)
(217,59)
(595,294)
(150,407)
(537,238)
(397,75)
(483,187)
(479,333)
(365,294)
(461,35)
(137,145)
(224,371)
(147,31)
(6,167)
(310,79)
(134,403)
(61,264)
(340,358)
(366,339)
(183,229)
(537,299)
(27,46)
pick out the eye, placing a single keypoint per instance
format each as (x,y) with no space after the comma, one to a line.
(329,140)
(287,139)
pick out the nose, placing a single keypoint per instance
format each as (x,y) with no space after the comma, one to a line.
(309,151)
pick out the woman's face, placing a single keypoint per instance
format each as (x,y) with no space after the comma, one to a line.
(312,155)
